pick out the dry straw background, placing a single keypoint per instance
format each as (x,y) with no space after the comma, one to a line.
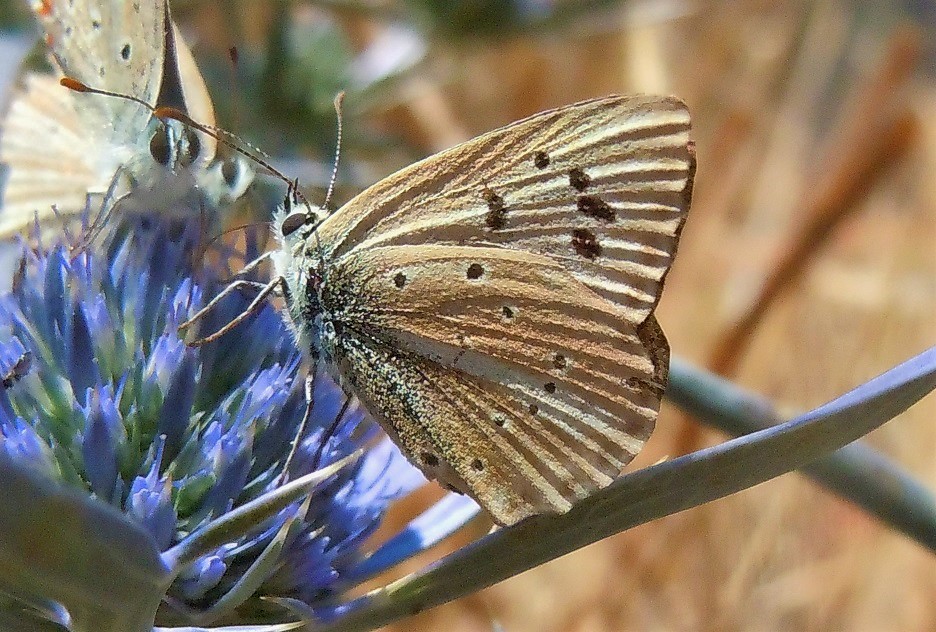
(808,265)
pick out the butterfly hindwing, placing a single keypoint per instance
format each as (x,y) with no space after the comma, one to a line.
(601,186)
(53,172)
(500,373)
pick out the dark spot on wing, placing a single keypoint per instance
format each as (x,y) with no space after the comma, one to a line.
(477,465)
(429,459)
(500,421)
(399,280)
(95,24)
(550,387)
(594,206)
(496,216)
(534,409)
(541,159)
(586,243)
(578,179)
(559,361)
(125,52)
(507,312)
(475,270)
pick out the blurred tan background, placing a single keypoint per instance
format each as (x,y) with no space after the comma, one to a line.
(808,263)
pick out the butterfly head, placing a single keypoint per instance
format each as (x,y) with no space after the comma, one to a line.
(177,146)
(297,262)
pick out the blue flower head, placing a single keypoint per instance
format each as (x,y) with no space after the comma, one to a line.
(101,392)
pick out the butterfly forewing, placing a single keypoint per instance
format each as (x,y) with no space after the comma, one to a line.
(601,186)
(116,44)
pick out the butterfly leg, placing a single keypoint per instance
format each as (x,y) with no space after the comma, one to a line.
(330,432)
(265,291)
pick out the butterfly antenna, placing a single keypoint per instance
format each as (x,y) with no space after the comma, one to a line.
(77,86)
(339,99)
(234,56)
(226,138)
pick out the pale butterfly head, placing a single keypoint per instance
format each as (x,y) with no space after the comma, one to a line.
(297,261)
(176,146)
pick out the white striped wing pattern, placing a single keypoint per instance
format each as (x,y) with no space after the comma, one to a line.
(492,305)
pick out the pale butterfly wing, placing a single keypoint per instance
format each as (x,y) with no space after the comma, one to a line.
(123,47)
(492,304)
(53,171)
(601,186)
(117,45)
(500,374)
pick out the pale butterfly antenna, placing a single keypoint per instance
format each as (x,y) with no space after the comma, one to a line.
(77,86)
(323,269)
(339,99)
(228,139)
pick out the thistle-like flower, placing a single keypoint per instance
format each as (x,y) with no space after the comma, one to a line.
(102,394)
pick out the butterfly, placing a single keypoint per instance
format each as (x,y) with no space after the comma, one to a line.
(492,305)
(59,146)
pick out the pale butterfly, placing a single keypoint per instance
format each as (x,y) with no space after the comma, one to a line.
(59,146)
(492,305)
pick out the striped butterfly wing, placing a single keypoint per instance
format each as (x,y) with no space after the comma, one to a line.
(602,187)
(497,371)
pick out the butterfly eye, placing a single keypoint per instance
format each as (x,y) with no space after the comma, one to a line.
(292,223)
(230,172)
(159,147)
(192,148)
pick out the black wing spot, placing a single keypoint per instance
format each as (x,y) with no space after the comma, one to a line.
(496,216)
(429,459)
(550,387)
(95,24)
(541,159)
(125,52)
(586,243)
(559,361)
(475,270)
(578,179)
(500,421)
(507,312)
(533,409)
(399,280)
(594,206)
(477,465)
